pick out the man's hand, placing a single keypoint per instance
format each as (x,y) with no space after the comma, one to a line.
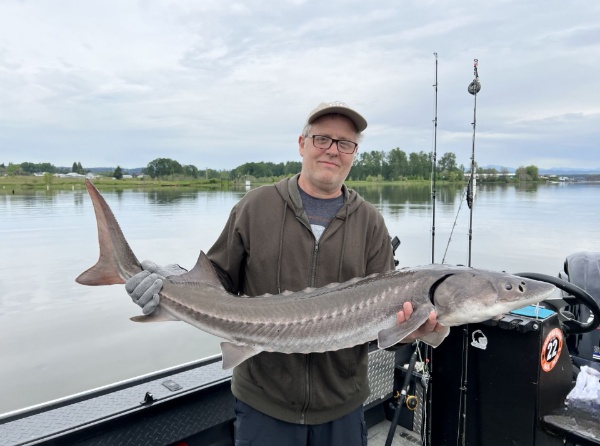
(143,288)
(428,326)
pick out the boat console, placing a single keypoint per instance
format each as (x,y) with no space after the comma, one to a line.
(506,381)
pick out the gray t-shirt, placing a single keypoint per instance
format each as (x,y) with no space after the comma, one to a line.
(320,211)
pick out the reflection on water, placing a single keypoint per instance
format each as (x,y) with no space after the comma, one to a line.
(58,337)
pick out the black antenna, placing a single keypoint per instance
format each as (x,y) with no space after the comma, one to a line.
(474,88)
(433,190)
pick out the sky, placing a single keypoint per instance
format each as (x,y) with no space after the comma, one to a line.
(217,83)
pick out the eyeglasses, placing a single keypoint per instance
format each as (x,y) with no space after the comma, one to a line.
(325,142)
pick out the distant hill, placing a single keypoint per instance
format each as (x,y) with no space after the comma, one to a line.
(552,171)
(569,171)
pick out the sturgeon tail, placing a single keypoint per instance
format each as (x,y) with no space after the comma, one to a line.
(117,262)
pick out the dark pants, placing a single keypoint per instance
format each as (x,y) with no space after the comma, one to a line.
(254,428)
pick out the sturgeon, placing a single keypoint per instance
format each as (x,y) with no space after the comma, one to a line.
(333,317)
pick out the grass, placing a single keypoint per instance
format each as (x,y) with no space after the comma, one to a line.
(11,184)
(8,184)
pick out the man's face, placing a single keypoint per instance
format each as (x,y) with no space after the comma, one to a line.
(324,170)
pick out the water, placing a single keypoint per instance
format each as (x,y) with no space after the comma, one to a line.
(58,337)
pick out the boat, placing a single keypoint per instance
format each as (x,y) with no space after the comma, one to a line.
(509,389)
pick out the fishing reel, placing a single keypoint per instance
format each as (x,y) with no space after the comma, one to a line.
(412,402)
(475,86)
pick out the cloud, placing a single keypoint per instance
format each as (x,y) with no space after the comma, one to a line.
(218,84)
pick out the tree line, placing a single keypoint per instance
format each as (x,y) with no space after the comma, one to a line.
(395,165)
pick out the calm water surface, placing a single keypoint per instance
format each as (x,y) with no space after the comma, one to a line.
(58,337)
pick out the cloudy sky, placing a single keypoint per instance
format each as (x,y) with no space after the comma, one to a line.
(218,83)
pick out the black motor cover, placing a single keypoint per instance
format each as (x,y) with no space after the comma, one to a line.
(583,269)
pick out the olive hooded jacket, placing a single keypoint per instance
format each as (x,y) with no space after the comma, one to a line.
(267,246)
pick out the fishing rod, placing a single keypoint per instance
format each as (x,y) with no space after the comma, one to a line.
(427,349)
(473,88)
(402,395)
(434,169)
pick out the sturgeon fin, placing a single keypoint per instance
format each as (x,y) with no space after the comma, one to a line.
(117,262)
(158,315)
(434,339)
(202,272)
(391,336)
(235,354)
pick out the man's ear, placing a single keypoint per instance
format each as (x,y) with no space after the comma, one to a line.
(301,142)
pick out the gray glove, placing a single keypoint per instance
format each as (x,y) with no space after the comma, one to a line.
(143,288)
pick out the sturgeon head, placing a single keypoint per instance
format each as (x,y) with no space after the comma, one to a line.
(466,296)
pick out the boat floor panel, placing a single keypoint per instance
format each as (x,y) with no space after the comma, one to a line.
(402,437)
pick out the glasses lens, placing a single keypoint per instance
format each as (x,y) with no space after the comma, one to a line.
(346,146)
(322,142)
(325,142)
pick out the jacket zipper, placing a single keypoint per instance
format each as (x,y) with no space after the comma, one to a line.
(313,262)
(313,266)
(308,357)
(307,389)
(312,281)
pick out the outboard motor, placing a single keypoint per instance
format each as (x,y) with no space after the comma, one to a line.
(583,269)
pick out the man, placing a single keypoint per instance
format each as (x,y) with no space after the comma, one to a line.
(305,231)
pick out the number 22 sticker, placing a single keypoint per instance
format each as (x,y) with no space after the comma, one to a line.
(551,349)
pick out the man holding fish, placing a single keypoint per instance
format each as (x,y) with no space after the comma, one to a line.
(306,231)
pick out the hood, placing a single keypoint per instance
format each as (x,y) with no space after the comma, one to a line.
(288,189)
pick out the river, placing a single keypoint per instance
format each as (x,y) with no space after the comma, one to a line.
(58,338)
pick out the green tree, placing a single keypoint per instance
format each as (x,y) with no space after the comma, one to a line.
(419,164)
(504,178)
(533,172)
(29,168)
(491,175)
(447,162)
(529,173)
(377,163)
(256,170)
(118,173)
(397,164)
(46,167)
(162,167)
(77,168)
(356,172)
(368,164)
(190,171)
(292,168)
(14,169)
